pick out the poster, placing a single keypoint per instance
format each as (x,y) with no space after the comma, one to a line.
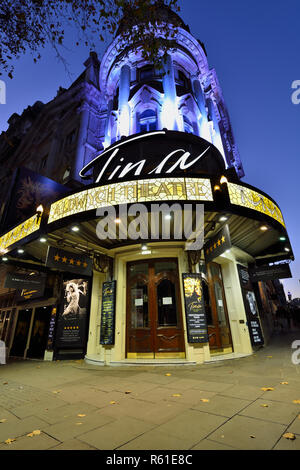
(107,330)
(73,315)
(194,309)
(251,309)
(27,192)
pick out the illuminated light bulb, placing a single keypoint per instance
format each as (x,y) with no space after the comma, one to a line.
(223,180)
(75,228)
(217,188)
(263,228)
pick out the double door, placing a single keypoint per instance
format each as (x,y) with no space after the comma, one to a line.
(154,317)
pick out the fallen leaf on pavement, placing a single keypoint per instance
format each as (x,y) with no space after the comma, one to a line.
(289,435)
(168,374)
(267,389)
(77,424)
(9,441)
(252,437)
(37,432)
(264,406)
(56,391)
(127,392)
(112,402)
(176,395)
(269,356)
(205,400)
(81,415)
(5,383)
(284,383)
(2,420)
(296,401)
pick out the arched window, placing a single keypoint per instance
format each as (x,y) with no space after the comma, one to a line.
(188,126)
(147,121)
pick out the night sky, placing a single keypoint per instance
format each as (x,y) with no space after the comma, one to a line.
(254,47)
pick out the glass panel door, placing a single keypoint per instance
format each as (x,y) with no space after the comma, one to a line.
(39,334)
(139,335)
(21,333)
(219,331)
(154,323)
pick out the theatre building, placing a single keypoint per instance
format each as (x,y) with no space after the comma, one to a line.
(127,233)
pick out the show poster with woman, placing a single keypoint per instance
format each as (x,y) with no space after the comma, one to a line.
(73,314)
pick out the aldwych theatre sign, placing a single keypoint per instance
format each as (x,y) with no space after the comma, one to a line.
(166,153)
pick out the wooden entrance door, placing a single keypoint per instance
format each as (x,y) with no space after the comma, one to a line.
(154,317)
(218,322)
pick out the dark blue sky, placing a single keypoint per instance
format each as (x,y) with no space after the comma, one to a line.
(254,47)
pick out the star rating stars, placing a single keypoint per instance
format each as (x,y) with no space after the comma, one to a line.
(70,261)
(215,245)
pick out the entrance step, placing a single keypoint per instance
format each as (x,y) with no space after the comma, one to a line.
(224,357)
(153,362)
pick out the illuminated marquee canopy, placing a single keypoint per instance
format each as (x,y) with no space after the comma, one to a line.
(153,190)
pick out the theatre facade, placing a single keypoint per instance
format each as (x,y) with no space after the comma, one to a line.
(136,242)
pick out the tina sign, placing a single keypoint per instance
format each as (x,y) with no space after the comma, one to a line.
(154,154)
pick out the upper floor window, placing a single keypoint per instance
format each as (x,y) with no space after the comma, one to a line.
(70,139)
(182,80)
(148,121)
(146,73)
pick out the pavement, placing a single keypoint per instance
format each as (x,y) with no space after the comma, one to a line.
(70,405)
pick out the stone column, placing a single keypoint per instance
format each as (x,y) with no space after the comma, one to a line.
(124,109)
(169,108)
(107,134)
(79,161)
(199,95)
(216,138)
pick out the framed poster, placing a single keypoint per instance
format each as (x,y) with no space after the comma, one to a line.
(194,308)
(108,313)
(252,313)
(73,315)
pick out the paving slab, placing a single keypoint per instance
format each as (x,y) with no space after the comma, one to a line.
(156,413)
(40,442)
(295,425)
(12,429)
(156,440)
(245,433)
(74,426)
(38,408)
(59,414)
(73,444)
(246,392)
(116,434)
(288,444)
(267,410)
(192,425)
(222,405)
(207,444)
